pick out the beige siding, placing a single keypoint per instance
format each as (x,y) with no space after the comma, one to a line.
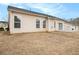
(51,25)
(28,23)
(54,27)
(57,25)
(66,26)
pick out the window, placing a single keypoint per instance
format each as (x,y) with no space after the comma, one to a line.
(16,22)
(37,23)
(60,26)
(44,24)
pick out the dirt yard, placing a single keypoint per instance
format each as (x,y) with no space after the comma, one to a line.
(55,43)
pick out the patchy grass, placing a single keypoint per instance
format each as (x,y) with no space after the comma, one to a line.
(55,43)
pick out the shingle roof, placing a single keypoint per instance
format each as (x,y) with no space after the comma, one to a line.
(3,22)
(15,8)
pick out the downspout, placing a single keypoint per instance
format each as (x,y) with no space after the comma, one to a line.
(54,25)
(9,21)
(47,25)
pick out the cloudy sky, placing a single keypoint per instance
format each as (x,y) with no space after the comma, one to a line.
(65,10)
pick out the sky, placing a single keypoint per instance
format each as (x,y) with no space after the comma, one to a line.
(62,10)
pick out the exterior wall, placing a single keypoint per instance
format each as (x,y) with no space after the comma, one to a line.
(57,25)
(68,27)
(54,26)
(51,25)
(76,28)
(28,23)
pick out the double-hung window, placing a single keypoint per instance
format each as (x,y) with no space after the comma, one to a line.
(17,22)
(37,23)
(44,24)
(60,26)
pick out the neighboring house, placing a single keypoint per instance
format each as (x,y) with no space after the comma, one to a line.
(4,25)
(21,21)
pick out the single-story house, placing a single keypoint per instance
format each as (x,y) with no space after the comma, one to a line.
(21,21)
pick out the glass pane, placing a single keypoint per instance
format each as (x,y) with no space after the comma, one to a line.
(37,24)
(17,25)
(16,19)
(16,22)
(44,24)
(60,26)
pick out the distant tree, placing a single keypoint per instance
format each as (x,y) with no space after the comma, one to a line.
(75,21)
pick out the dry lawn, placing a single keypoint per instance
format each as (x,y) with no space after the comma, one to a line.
(55,43)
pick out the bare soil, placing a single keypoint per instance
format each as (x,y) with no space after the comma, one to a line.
(54,43)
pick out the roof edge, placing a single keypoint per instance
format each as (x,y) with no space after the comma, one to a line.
(12,7)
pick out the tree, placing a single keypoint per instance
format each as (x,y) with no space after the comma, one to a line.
(75,21)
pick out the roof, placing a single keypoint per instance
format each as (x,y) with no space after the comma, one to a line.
(3,22)
(49,16)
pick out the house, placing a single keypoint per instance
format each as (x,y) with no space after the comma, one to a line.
(3,25)
(21,21)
